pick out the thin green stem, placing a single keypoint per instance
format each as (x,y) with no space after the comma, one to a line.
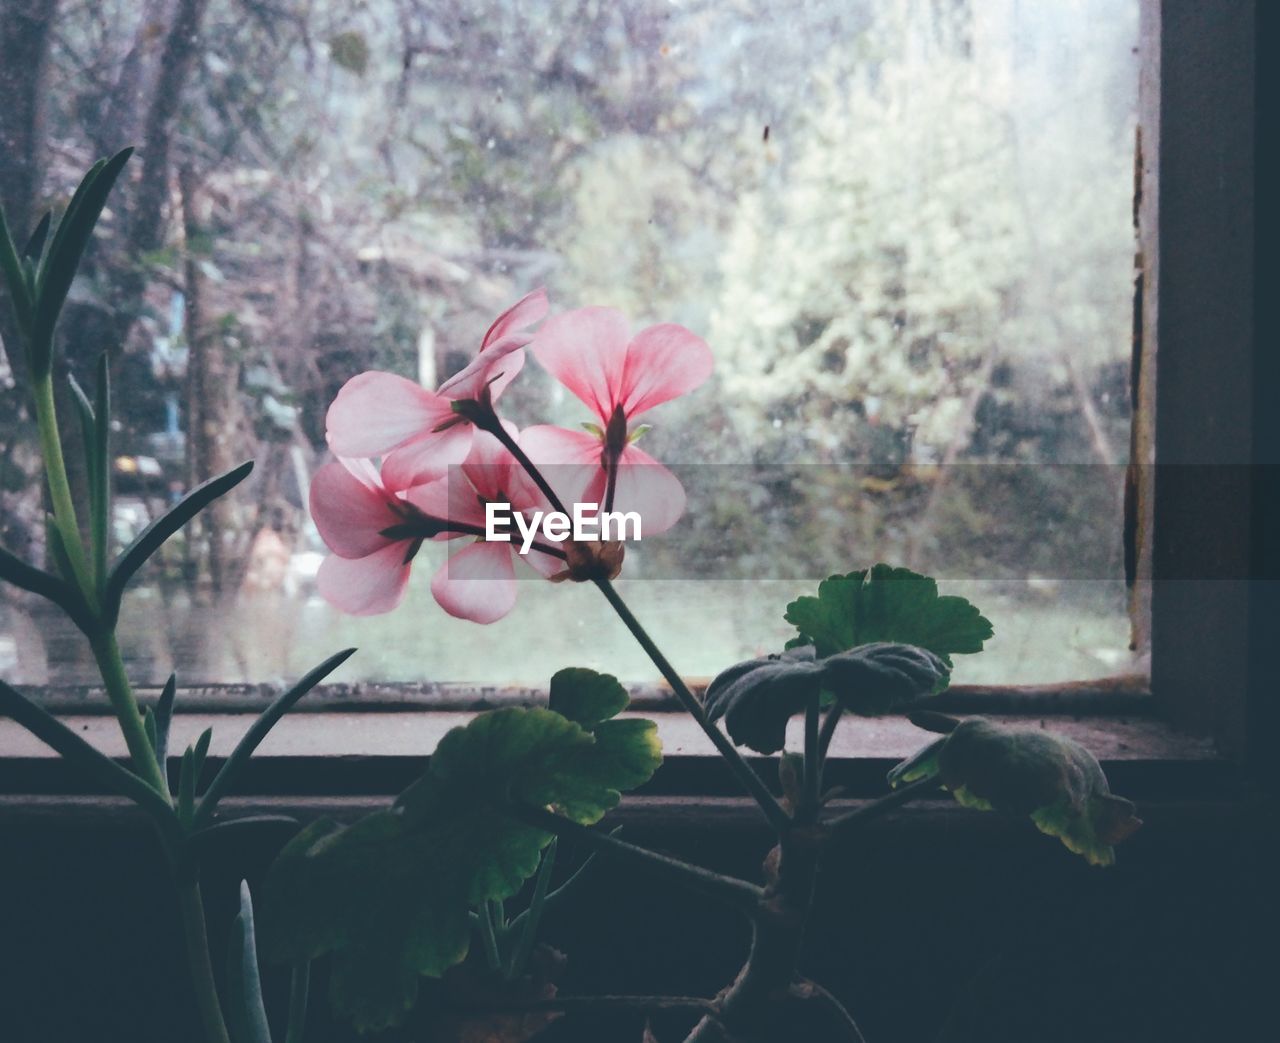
(107,652)
(193,926)
(737,764)
(904,795)
(521,951)
(829,730)
(489,937)
(812,795)
(299,986)
(64,510)
(499,432)
(738,893)
(773,811)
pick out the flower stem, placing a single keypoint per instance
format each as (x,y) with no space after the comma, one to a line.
(829,730)
(64,510)
(812,795)
(738,893)
(852,819)
(499,432)
(215,1028)
(746,774)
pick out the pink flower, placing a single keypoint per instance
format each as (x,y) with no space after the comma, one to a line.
(619,377)
(373,532)
(479,581)
(416,430)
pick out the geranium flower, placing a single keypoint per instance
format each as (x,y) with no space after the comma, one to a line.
(619,377)
(479,581)
(417,431)
(373,532)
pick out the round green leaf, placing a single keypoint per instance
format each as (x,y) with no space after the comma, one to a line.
(1027,771)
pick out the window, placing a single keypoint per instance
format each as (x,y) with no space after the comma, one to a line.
(923,327)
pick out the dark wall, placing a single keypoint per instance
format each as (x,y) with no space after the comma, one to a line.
(938,925)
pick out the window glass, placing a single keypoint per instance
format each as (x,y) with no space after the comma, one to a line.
(904,228)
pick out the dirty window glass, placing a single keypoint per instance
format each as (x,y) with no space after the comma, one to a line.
(905,229)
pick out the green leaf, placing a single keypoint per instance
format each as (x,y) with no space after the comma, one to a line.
(887,604)
(101,474)
(881,677)
(94,455)
(65,252)
(259,730)
(35,242)
(154,535)
(247,1017)
(390,894)
(164,716)
(95,765)
(758,697)
(201,751)
(27,577)
(14,275)
(201,841)
(586,697)
(1027,771)
(186,787)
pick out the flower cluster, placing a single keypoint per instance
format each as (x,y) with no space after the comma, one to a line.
(414,464)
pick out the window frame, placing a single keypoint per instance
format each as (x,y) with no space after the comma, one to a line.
(1195,412)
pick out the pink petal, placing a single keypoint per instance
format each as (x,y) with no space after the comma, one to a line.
(450,499)
(645,486)
(492,470)
(349,512)
(376,412)
(545,565)
(663,362)
(495,368)
(525,312)
(365,586)
(427,458)
(478,583)
(586,350)
(569,460)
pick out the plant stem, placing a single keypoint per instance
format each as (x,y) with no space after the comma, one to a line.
(488,937)
(735,892)
(521,951)
(215,1028)
(851,819)
(829,730)
(812,795)
(746,774)
(107,652)
(64,510)
(495,428)
(299,986)
(768,803)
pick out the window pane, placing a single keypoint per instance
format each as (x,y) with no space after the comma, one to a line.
(904,228)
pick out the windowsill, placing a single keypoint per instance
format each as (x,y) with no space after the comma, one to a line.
(368,754)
